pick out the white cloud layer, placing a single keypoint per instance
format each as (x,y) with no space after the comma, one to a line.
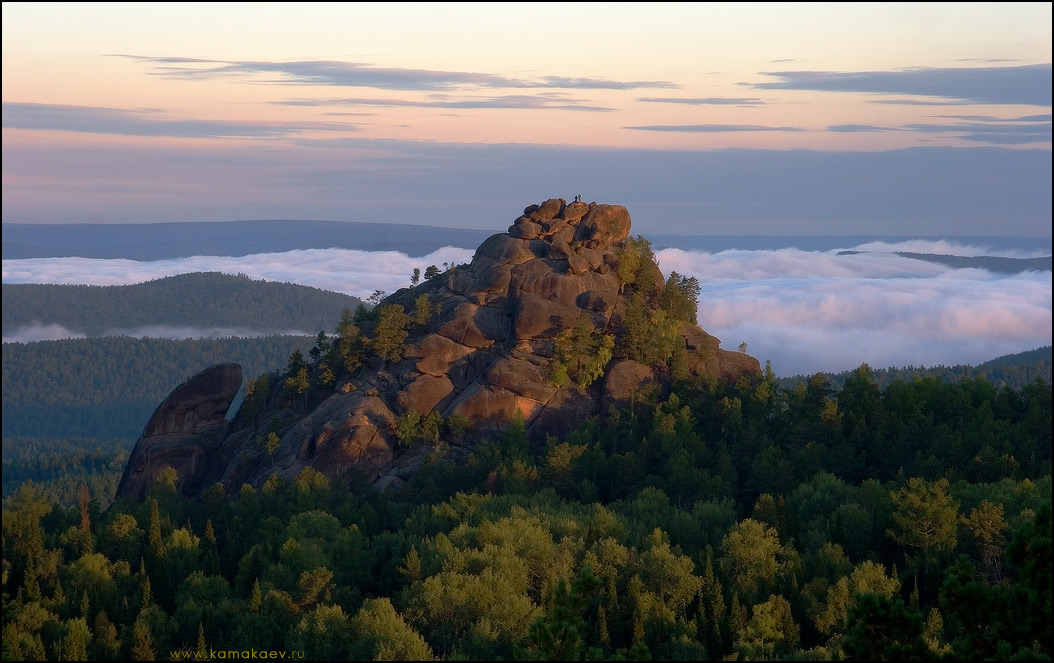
(813,311)
(806,311)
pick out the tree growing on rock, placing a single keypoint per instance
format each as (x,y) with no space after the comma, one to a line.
(350,344)
(680,297)
(580,354)
(390,332)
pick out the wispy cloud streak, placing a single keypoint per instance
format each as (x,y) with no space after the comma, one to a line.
(711,128)
(976,128)
(147,122)
(551,100)
(706,101)
(1024,84)
(360,74)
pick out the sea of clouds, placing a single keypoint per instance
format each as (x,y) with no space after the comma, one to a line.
(805,311)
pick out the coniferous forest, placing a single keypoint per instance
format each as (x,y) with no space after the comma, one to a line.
(201,300)
(743,520)
(108,387)
(73,408)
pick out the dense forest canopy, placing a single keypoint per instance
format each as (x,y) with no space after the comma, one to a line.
(911,521)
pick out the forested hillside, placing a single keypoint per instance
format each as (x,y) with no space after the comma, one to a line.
(61,467)
(108,387)
(203,300)
(911,522)
(1016,370)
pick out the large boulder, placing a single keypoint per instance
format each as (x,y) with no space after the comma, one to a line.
(183,432)
(604,226)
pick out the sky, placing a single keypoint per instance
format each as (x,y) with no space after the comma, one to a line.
(805,311)
(928,119)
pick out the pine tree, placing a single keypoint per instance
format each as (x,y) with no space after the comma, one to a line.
(154,536)
(148,592)
(349,342)
(210,552)
(142,641)
(298,384)
(271,444)
(255,597)
(201,650)
(712,611)
(75,641)
(86,543)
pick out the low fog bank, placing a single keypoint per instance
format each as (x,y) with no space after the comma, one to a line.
(805,311)
(38,332)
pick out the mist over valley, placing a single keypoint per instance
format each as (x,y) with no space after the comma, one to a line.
(807,304)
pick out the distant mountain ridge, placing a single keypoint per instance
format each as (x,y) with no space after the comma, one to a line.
(161,241)
(996,264)
(200,300)
(158,241)
(1014,370)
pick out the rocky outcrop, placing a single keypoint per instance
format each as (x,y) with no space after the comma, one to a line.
(185,432)
(487,353)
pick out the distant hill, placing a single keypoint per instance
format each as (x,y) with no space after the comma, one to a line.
(203,300)
(1014,370)
(996,264)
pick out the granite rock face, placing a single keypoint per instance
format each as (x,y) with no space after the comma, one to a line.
(185,432)
(487,353)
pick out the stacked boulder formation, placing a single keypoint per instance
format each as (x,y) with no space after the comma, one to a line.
(485,354)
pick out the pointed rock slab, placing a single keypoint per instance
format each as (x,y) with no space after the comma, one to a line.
(184,432)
